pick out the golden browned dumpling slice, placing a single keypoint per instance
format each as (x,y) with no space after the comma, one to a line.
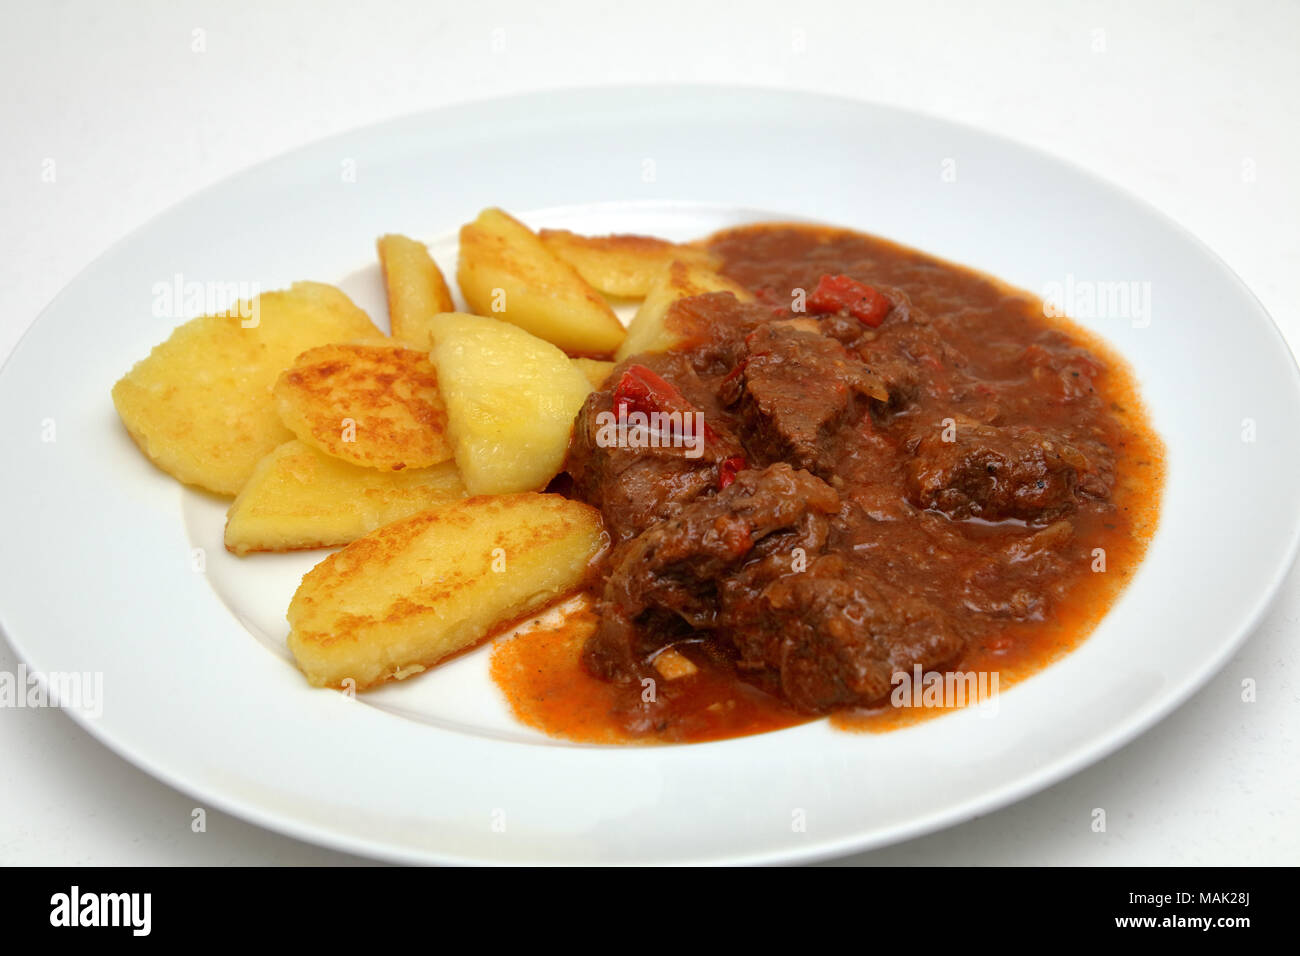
(415,286)
(594,370)
(511,400)
(404,597)
(374,405)
(200,405)
(506,272)
(299,498)
(620,265)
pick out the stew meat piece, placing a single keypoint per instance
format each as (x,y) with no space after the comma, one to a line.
(636,486)
(665,582)
(793,388)
(836,633)
(984,471)
(884,478)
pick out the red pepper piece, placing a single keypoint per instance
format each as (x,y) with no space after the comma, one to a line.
(840,293)
(729,468)
(641,390)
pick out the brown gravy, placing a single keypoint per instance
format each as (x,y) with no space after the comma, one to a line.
(1001,338)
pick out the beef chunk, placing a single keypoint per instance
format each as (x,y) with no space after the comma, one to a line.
(748,566)
(903,356)
(631,486)
(635,485)
(665,580)
(902,376)
(995,473)
(713,327)
(835,634)
(792,389)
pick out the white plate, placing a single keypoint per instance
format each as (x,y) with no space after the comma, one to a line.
(197,689)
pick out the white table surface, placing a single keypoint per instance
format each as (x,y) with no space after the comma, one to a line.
(1192,106)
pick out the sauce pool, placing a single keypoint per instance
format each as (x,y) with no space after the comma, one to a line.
(539,669)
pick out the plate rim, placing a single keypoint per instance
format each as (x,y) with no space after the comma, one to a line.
(1063,766)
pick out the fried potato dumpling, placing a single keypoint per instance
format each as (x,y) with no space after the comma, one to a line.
(650,329)
(415,286)
(511,401)
(200,406)
(506,272)
(300,498)
(404,597)
(596,371)
(620,265)
(372,404)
